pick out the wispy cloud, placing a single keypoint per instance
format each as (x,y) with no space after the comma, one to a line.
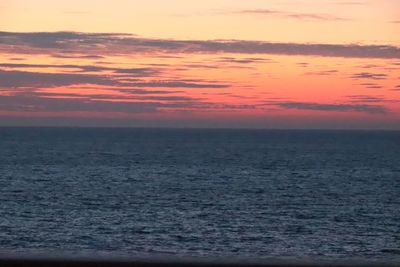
(25,79)
(349,3)
(78,56)
(179,84)
(73,102)
(292,15)
(103,44)
(322,72)
(303,64)
(369,75)
(31,80)
(140,72)
(365,99)
(372,109)
(250,60)
(33,103)
(372,85)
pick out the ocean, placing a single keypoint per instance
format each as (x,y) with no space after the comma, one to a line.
(212,193)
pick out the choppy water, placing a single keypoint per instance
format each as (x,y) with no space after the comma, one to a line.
(209,193)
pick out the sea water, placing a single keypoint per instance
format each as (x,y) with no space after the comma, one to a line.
(195,192)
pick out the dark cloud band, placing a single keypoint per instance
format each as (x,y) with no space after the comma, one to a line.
(112,43)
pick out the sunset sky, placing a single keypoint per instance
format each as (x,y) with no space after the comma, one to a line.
(210,63)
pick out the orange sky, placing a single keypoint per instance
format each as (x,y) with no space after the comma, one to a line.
(256,64)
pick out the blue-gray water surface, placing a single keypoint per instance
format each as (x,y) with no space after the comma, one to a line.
(208,193)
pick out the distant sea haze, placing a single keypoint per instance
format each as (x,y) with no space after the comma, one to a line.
(209,193)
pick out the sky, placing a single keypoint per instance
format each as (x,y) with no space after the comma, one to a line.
(303,64)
